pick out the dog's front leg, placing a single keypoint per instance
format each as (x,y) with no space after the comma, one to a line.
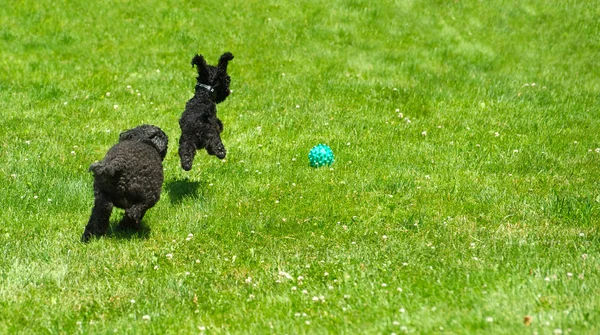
(133,217)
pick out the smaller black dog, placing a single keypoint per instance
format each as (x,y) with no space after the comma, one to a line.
(129,177)
(200,127)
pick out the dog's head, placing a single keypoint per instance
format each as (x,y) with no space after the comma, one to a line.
(150,135)
(215,77)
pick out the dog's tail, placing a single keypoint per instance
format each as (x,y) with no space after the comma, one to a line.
(102,169)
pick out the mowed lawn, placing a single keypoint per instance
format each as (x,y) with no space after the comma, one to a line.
(464,197)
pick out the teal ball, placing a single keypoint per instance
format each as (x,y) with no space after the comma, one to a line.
(320,155)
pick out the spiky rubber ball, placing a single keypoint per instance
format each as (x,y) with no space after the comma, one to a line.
(320,155)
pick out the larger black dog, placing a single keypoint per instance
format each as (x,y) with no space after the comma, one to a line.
(200,127)
(130,177)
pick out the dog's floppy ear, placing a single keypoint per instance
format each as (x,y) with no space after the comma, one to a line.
(200,63)
(127,135)
(224,60)
(159,140)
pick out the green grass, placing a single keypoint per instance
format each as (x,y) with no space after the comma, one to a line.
(463,198)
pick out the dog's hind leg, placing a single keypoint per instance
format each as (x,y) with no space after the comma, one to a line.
(215,147)
(187,151)
(99,220)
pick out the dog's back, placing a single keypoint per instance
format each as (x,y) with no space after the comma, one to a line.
(131,172)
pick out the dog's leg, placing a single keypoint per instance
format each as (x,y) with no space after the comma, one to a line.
(187,151)
(99,220)
(133,217)
(215,147)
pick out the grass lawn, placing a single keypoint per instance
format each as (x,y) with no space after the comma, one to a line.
(464,197)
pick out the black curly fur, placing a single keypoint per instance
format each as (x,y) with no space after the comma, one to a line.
(129,177)
(200,127)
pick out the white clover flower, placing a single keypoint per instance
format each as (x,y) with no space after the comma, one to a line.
(146,317)
(286,275)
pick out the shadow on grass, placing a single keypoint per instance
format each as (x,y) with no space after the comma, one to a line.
(123,233)
(180,189)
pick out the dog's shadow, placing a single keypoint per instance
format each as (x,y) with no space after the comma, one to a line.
(123,233)
(180,189)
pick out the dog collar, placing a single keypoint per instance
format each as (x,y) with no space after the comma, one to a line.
(209,88)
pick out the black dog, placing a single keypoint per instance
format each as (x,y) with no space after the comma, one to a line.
(200,127)
(129,177)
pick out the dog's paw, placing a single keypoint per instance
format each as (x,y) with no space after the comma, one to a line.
(86,237)
(186,164)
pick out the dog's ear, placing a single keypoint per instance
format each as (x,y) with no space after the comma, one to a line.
(159,140)
(127,135)
(200,64)
(224,60)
